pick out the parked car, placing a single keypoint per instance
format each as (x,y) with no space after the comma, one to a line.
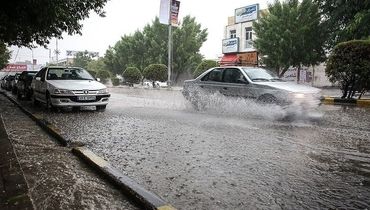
(68,87)
(256,83)
(14,83)
(8,82)
(3,81)
(24,84)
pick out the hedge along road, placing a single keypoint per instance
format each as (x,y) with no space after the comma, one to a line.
(234,155)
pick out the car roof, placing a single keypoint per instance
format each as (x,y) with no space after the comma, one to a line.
(63,67)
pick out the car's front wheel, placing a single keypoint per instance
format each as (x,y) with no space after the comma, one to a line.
(49,104)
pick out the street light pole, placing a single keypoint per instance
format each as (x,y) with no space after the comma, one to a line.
(169,46)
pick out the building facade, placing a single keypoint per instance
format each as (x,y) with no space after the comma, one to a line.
(237,45)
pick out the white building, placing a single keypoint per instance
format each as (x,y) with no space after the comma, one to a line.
(237,45)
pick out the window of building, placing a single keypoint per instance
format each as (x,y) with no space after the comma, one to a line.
(232,34)
(248,37)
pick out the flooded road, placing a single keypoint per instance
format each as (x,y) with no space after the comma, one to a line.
(234,155)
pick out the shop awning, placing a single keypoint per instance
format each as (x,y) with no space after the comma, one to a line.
(229,59)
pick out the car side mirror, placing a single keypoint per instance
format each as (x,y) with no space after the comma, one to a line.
(38,78)
(98,79)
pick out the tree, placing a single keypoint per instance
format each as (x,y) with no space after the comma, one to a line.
(151,45)
(132,75)
(155,72)
(82,59)
(25,22)
(96,65)
(188,39)
(103,75)
(345,20)
(204,66)
(290,35)
(4,55)
(349,65)
(111,61)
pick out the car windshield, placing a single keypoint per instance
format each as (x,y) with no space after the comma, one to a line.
(261,75)
(68,74)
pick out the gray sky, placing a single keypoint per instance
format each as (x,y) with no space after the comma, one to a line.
(125,17)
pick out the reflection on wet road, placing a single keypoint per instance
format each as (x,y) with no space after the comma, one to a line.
(235,155)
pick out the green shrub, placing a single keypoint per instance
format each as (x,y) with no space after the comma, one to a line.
(132,75)
(103,75)
(115,81)
(349,65)
(204,66)
(155,72)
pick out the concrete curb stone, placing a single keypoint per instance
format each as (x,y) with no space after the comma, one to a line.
(340,101)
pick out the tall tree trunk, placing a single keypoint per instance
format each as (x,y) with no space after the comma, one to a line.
(298,73)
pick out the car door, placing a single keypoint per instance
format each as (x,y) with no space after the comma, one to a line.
(212,82)
(234,83)
(39,85)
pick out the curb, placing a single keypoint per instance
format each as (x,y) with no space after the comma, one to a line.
(45,125)
(147,199)
(340,101)
(127,185)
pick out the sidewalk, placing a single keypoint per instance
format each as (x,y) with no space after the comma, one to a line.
(56,178)
(13,186)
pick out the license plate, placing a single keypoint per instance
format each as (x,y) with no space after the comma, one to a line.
(86,98)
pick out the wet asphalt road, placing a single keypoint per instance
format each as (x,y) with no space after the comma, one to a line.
(234,155)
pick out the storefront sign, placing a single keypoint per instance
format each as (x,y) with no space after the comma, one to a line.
(230,45)
(247,13)
(15,67)
(249,58)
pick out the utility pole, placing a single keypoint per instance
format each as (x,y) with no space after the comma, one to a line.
(169,44)
(56,50)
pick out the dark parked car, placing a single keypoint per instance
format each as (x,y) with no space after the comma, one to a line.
(14,83)
(24,84)
(3,80)
(8,82)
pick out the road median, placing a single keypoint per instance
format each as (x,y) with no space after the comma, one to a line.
(341,101)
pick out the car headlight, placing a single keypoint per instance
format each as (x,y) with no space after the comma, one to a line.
(62,91)
(298,95)
(103,91)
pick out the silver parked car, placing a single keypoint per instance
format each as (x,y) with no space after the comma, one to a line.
(68,87)
(250,82)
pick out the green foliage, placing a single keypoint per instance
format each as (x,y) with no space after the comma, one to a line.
(187,41)
(115,81)
(345,20)
(151,44)
(96,65)
(132,75)
(290,34)
(349,65)
(4,55)
(155,72)
(82,59)
(103,75)
(204,66)
(25,22)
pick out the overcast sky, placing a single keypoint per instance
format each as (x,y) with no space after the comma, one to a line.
(125,17)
